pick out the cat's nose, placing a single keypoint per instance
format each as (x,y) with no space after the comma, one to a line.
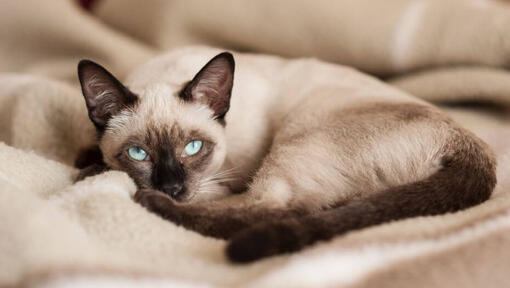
(174,190)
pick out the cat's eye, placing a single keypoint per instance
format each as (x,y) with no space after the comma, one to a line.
(193,147)
(137,153)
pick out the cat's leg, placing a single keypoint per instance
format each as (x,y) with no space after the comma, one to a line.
(221,218)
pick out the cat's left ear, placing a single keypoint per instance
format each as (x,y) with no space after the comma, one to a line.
(212,85)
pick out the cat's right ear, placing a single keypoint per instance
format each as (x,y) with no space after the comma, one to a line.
(104,95)
(212,85)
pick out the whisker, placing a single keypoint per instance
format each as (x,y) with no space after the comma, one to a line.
(218,180)
(221,176)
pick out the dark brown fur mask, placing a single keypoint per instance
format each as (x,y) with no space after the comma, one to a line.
(166,138)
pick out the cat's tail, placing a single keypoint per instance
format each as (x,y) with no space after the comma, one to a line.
(467,178)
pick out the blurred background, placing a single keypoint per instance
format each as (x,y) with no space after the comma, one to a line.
(383,38)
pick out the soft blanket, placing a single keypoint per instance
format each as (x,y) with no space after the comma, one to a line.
(54,233)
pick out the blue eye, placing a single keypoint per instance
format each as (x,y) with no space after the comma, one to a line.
(137,153)
(193,147)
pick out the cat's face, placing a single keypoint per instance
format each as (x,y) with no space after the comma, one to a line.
(166,138)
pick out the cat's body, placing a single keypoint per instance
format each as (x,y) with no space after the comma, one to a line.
(338,149)
(271,95)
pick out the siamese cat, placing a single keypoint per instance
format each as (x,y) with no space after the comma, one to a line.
(290,153)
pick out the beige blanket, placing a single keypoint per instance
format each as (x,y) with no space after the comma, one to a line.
(54,233)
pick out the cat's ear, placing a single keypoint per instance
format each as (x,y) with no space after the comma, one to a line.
(212,86)
(104,95)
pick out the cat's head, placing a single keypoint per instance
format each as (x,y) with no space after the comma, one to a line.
(166,138)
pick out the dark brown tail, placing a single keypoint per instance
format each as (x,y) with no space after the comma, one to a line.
(467,178)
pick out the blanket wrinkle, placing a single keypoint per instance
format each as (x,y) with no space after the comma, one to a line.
(57,233)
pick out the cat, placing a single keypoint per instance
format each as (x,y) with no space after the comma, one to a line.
(297,151)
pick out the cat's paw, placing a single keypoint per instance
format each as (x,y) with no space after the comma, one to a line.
(264,240)
(150,198)
(156,202)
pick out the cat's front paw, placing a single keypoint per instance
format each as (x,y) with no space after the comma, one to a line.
(264,240)
(157,202)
